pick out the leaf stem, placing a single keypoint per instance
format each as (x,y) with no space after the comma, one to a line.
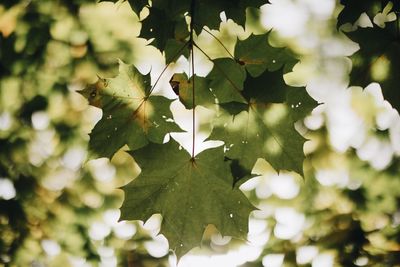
(220,42)
(192,8)
(397,26)
(220,70)
(166,67)
(194,106)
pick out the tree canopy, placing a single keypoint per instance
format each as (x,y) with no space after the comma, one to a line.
(226,121)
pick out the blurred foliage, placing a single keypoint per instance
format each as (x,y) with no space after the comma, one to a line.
(49,49)
(64,212)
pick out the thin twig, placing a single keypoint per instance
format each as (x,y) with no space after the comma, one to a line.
(219,69)
(192,8)
(220,42)
(166,67)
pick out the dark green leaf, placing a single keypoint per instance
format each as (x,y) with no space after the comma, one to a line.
(227,78)
(353,9)
(138,5)
(203,95)
(300,102)
(158,25)
(264,131)
(378,60)
(174,49)
(189,194)
(269,87)
(257,55)
(207,12)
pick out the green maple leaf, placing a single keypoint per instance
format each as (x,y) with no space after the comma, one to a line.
(159,27)
(136,5)
(262,131)
(353,9)
(226,80)
(167,29)
(166,19)
(203,95)
(176,47)
(267,88)
(255,66)
(130,114)
(189,193)
(378,60)
(270,87)
(300,102)
(257,55)
(207,12)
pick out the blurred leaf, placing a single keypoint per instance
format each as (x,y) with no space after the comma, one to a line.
(378,60)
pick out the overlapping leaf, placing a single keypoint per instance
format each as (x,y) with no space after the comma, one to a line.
(378,60)
(188,193)
(353,9)
(226,80)
(184,87)
(257,128)
(207,12)
(255,67)
(136,5)
(257,55)
(262,131)
(130,114)
(166,19)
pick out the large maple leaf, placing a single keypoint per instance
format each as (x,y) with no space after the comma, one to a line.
(130,114)
(190,193)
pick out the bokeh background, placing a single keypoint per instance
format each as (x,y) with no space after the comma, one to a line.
(58,208)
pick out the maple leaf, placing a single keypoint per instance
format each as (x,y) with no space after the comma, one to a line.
(207,12)
(254,67)
(353,9)
(166,19)
(257,55)
(300,102)
(203,95)
(261,131)
(136,5)
(157,26)
(167,28)
(130,114)
(189,193)
(226,80)
(378,61)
